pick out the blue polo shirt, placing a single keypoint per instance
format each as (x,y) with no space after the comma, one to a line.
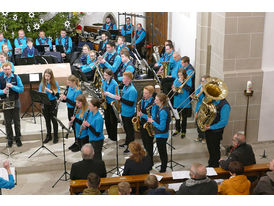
(51,96)
(63,42)
(110,87)
(19,88)
(44,42)
(157,112)
(116,64)
(129,93)
(129,68)
(97,122)
(72,95)
(89,67)
(23,44)
(140,38)
(177,66)
(128,30)
(180,98)
(78,126)
(3,42)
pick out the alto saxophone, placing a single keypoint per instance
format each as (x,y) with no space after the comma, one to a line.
(149,126)
(104,104)
(136,120)
(117,103)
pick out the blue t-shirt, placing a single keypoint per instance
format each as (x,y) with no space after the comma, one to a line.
(97,122)
(129,93)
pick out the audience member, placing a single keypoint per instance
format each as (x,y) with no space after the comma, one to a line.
(153,186)
(124,188)
(265,185)
(81,169)
(199,183)
(113,190)
(240,151)
(93,185)
(237,184)
(4,183)
(138,163)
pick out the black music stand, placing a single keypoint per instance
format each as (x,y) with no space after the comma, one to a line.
(41,98)
(117,168)
(29,79)
(64,153)
(25,61)
(60,48)
(42,48)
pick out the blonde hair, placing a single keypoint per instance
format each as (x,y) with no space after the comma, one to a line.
(85,45)
(149,88)
(53,85)
(73,78)
(128,74)
(81,98)
(163,98)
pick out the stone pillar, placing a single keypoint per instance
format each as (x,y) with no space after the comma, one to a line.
(236,56)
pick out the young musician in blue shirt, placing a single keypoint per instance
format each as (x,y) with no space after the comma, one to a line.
(110,86)
(69,96)
(3,59)
(50,86)
(30,51)
(102,46)
(161,120)
(121,44)
(66,41)
(80,115)
(95,125)
(126,66)
(182,101)
(128,101)
(89,69)
(3,40)
(5,50)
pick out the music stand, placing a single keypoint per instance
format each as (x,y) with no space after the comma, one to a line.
(41,98)
(25,61)
(80,75)
(43,59)
(60,48)
(64,153)
(42,48)
(29,79)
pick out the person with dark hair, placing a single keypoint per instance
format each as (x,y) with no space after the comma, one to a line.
(112,60)
(126,66)
(138,163)
(127,30)
(10,87)
(66,41)
(153,186)
(43,40)
(93,185)
(265,186)
(109,25)
(81,169)
(140,38)
(30,51)
(109,86)
(181,95)
(128,108)
(160,120)
(237,184)
(164,47)
(121,44)
(95,124)
(50,86)
(102,45)
(124,188)
(241,151)
(185,62)
(199,183)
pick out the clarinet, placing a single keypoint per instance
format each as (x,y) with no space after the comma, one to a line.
(69,129)
(82,127)
(59,100)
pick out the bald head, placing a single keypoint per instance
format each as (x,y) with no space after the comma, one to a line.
(271,165)
(87,152)
(198,171)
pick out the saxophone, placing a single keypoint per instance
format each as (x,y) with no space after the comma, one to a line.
(136,120)
(149,126)
(117,103)
(104,104)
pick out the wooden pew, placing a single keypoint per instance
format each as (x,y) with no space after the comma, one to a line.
(77,186)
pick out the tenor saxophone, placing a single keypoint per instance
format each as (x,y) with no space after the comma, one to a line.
(149,126)
(117,102)
(136,120)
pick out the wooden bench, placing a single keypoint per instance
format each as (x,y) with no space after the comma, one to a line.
(77,186)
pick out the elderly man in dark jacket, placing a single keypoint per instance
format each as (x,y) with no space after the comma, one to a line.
(199,184)
(265,185)
(240,151)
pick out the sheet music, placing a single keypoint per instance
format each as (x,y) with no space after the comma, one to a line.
(4,173)
(34,78)
(180,175)
(210,171)
(174,186)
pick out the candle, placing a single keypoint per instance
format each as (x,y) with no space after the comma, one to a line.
(248,87)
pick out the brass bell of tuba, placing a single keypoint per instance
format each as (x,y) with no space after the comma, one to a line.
(214,89)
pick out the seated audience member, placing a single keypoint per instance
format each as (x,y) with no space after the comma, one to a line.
(81,169)
(5,50)
(138,163)
(4,183)
(3,59)
(237,184)
(199,183)
(30,51)
(153,186)
(66,41)
(124,188)
(113,190)
(241,152)
(265,185)
(93,185)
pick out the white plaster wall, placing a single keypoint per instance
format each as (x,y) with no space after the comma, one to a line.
(267,101)
(182,31)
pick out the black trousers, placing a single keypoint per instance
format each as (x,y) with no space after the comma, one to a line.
(128,126)
(49,111)
(161,145)
(147,142)
(182,123)
(70,114)
(213,139)
(167,85)
(111,123)
(83,141)
(97,146)
(9,115)
(139,49)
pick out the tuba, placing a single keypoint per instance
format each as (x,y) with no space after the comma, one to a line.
(214,89)
(149,126)
(136,120)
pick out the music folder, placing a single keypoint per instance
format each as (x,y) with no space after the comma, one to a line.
(43,48)
(60,48)
(25,61)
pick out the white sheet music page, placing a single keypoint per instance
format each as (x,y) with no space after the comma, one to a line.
(34,77)
(4,173)
(210,171)
(180,175)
